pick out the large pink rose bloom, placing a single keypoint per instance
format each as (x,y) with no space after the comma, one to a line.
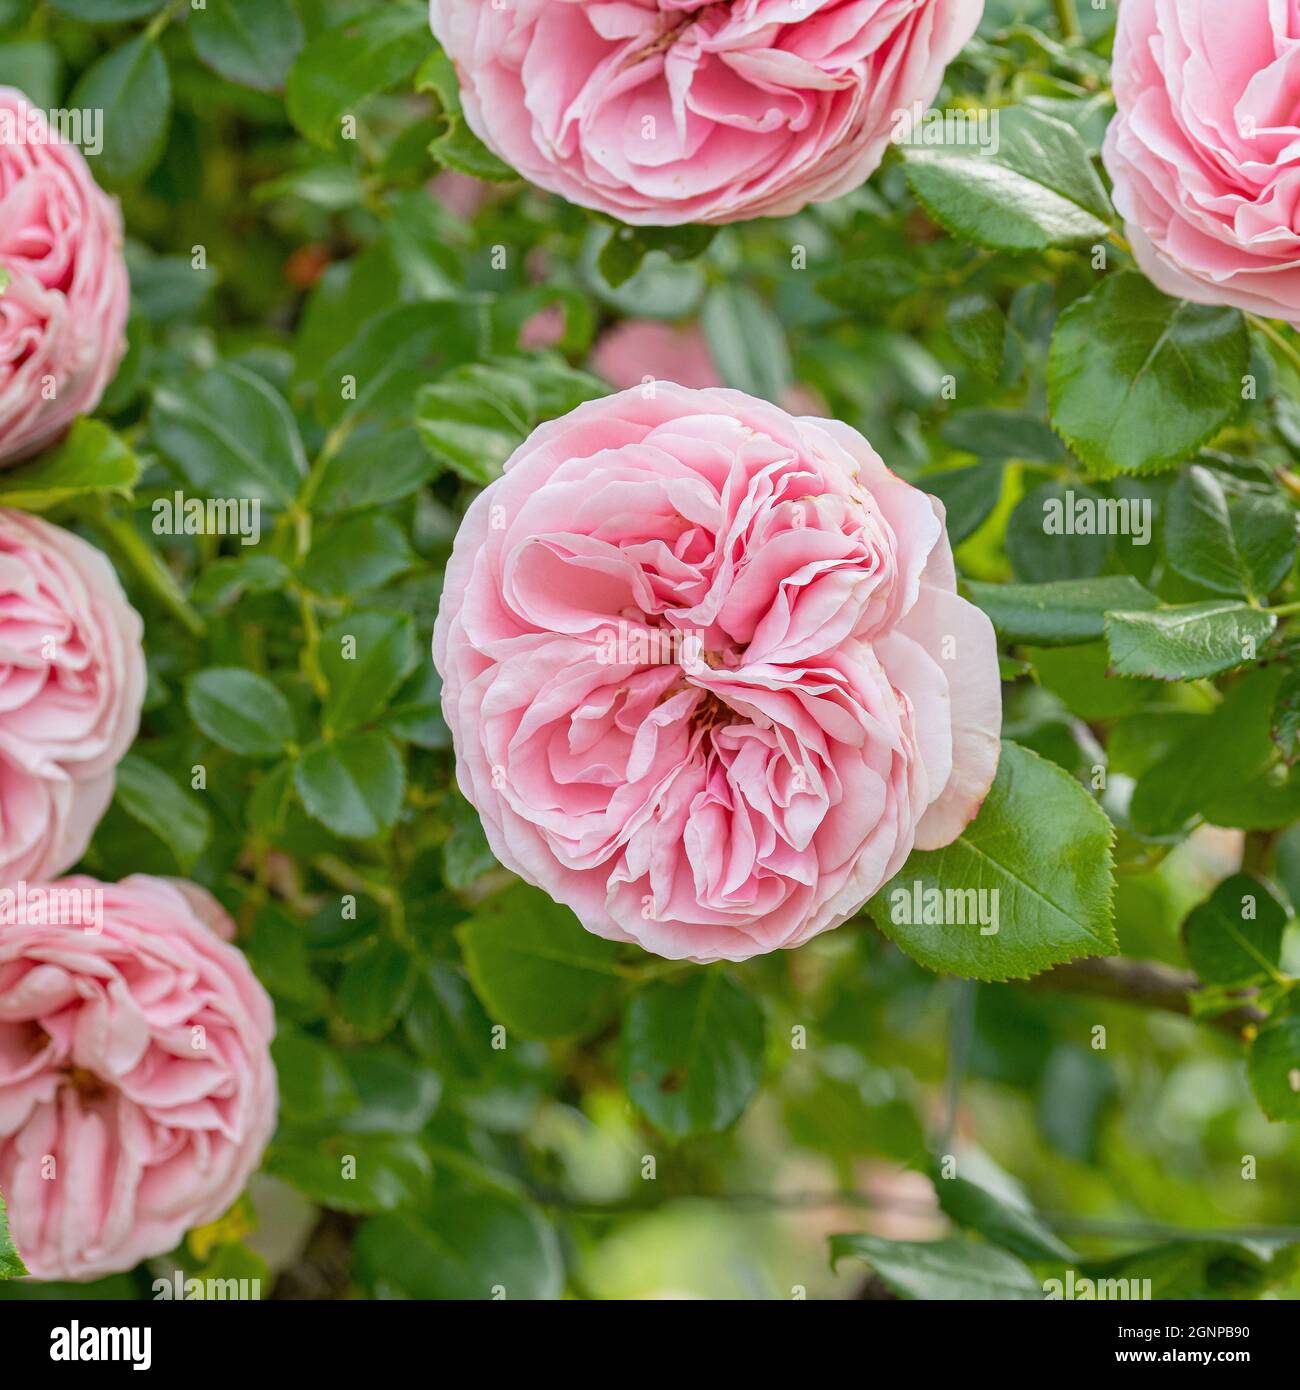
(63,313)
(1205,150)
(669,111)
(72,680)
(707,674)
(136,1086)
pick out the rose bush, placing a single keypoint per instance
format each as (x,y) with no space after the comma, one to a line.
(64,306)
(136,1086)
(71,688)
(676,111)
(1202,150)
(715,672)
(713,803)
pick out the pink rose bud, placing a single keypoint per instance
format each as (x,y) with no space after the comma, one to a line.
(707,674)
(63,312)
(72,680)
(1203,149)
(668,111)
(136,1086)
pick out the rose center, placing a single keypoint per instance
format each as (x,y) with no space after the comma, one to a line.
(88,1086)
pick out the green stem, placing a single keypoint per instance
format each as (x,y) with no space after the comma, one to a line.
(1287,349)
(1067,16)
(157,578)
(162,19)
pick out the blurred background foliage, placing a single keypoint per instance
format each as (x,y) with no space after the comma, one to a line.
(275,251)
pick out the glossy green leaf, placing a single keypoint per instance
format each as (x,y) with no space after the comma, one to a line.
(241,711)
(537,970)
(692,1052)
(1138,381)
(1027,885)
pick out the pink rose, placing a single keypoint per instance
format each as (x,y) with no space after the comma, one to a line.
(72,680)
(63,313)
(1203,151)
(638,348)
(668,111)
(707,674)
(635,349)
(136,1086)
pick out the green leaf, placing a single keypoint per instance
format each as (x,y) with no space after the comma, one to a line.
(978,327)
(692,1053)
(365,657)
(457,147)
(354,786)
(1013,1228)
(1002,435)
(1064,613)
(968,495)
(396,1094)
(342,67)
(1235,936)
(621,256)
(1037,190)
(446,1023)
(1042,844)
(466,854)
(133,89)
(1038,555)
(240,710)
(314,1083)
(356,1173)
(471,1246)
(92,458)
(1196,1269)
(1244,547)
(253,42)
(376,372)
(1187,642)
(357,555)
(106,11)
(537,970)
(375,987)
(940,1270)
(1274,1068)
(1218,753)
(1284,725)
(230,435)
(178,818)
(1138,381)
(478,415)
(11,1265)
(746,341)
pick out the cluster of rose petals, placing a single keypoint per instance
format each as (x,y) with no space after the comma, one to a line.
(662,112)
(707,674)
(72,680)
(136,1086)
(63,311)
(1205,149)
